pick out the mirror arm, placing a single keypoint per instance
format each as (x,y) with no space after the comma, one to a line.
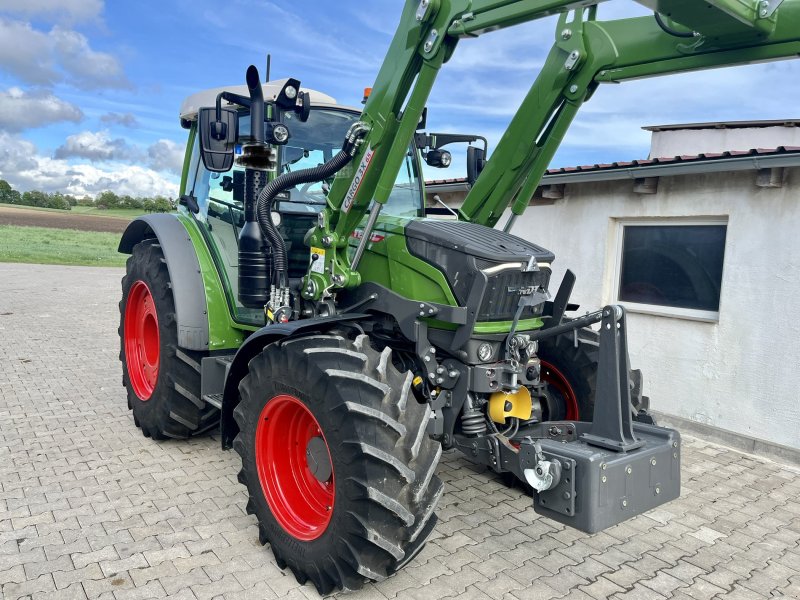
(233,99)
(439,140)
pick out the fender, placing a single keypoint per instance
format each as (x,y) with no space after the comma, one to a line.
(188,290)
(252,347)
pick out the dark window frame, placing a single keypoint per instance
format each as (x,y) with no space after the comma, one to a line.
(668,307)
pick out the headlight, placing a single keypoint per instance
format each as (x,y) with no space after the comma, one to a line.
(485,352)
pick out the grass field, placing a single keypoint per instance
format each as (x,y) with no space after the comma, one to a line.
(122,213)
(59,246)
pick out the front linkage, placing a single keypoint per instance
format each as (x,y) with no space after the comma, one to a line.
(589,475)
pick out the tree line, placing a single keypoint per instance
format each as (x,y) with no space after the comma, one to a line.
(104,200)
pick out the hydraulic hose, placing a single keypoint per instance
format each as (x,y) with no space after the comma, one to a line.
(290,180)
(667,29)
(276,186)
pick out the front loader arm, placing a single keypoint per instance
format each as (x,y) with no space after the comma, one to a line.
(613,52)
(586,53)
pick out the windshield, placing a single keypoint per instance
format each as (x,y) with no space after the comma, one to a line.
(311,144)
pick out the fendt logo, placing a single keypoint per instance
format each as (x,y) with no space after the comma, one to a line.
(360,172)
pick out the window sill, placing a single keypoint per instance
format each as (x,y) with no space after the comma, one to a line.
(689,314)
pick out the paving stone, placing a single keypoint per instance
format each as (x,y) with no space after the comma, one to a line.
(14,591)
(90,509)
(72,592)
(65,579)
(601,588)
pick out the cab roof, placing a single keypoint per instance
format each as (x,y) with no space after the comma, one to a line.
(191,104)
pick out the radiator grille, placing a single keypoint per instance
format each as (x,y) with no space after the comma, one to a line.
(501,298)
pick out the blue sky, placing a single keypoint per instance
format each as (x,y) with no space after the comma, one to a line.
(90,90)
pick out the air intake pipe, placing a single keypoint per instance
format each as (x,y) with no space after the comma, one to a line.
(254,255)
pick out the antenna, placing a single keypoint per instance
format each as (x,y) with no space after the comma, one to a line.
(269,64)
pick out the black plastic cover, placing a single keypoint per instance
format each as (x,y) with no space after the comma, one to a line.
(218,154)
(477,240)
(460,250)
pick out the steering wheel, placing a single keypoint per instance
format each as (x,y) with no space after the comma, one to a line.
(309,197)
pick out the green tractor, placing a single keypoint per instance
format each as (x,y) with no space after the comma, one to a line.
(301,301)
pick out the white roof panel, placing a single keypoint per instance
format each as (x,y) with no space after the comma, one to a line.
(190,106)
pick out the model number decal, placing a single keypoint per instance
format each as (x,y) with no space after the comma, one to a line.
(360,172)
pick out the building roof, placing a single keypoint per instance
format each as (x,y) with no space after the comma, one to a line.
(734,160)
(725,125)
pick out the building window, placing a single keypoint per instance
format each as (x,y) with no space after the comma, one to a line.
(671,267)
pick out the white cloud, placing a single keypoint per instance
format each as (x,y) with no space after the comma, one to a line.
(86,68)
(166,155)
(321,46)
(25,169)
(45,58)
(122,119)
(98,146)
(21,110)
(61,10)
(95,146)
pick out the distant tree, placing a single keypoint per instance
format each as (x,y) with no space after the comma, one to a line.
(149,205)
(129,202)
(86,201)
(9,195)
(36,198)
(162,205)
(107,199)
(58,200)
(72,200)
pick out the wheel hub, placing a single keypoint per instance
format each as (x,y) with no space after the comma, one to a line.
(319,463)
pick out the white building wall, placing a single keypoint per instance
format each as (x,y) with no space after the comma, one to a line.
(742,373)
(679,142)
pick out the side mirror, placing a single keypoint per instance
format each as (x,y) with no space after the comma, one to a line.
(303,108)
(476,161)
(218,137)
(423,120)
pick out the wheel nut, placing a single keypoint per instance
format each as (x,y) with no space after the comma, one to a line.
(629,470)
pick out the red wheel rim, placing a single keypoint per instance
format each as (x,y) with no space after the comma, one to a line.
(555,379)
(300,502)
(142,344)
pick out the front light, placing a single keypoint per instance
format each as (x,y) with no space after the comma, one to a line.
(485,352)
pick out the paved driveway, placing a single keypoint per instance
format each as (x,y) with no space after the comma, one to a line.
(91,509)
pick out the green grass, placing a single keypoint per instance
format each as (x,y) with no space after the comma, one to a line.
(123,213)
(126,213)
(43,245)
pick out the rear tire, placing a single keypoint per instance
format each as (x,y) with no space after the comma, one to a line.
(372,508)
(161,379)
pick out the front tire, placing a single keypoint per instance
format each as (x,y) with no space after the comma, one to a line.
(161,379)
(336,459)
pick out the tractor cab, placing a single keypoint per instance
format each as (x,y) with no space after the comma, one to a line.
(216,199)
